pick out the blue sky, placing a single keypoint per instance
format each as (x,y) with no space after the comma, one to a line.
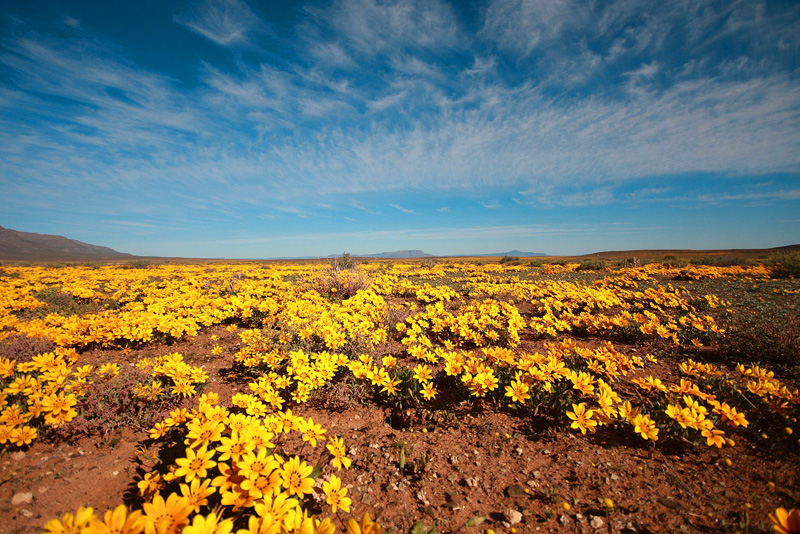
(228,128)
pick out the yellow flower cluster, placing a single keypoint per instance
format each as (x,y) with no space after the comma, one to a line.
(169,371)
(489,322)
(230,470)
(39,393)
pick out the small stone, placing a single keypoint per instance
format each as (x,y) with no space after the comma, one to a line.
(366,499)
(472,482)
(546,452)
(17,456)
(115,473)
(596,522)
(452,479)
(519,451)
(669,503)
(515,490)
(614,477)
(26,512)
(513,516)
(564,520)
(453,499)
(579,518)
(21,498)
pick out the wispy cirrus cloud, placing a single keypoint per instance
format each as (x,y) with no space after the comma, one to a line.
(401,208)
(224,22)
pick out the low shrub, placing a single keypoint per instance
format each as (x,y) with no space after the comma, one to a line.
(342,278)
(766,332)
(672,262)
(592,265)
(785,264)
(137,264)
(23,348)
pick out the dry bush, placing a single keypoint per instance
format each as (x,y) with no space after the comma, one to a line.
(784,264)
(342,278)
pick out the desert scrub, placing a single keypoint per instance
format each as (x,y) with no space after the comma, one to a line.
(23,348)
(342,278)
(673,262)
(510,260)
(592,265)
(785,264)
(62,303)
(342,394)
(116,406)
(764,331)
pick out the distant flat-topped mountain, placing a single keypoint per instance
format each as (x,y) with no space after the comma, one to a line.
(28,246)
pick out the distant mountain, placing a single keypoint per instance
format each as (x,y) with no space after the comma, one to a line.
(651,253)
(28,246)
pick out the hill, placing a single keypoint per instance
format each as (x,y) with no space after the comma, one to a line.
(690,253)
(29,246)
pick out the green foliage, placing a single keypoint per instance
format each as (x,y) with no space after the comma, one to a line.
(420,528)
(592,265)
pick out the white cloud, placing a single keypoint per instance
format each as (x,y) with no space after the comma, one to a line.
(225,22)
(523,25)
(401,208)
(369,27)
(552,196)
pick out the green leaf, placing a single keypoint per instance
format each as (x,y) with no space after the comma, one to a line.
(475,521)
(315,472)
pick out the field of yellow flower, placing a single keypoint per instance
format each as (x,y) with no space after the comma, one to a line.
(446,396)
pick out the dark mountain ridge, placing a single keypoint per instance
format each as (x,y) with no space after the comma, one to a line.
(30,246)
